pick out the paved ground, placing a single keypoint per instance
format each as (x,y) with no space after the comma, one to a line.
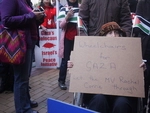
(44,85)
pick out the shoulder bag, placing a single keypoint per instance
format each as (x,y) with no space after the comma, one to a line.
(12,45)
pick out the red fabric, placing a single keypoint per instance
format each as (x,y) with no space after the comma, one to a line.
(71,31)
(49,19)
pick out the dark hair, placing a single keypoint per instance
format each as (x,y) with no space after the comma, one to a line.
(42,4)
(75,4)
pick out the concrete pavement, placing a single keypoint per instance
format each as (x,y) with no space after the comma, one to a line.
(44,85)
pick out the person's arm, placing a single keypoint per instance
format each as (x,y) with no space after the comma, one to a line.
(43,25)
(143,65)
(84,11)
(11,17)
(70,64)
(66,19)
(125,18)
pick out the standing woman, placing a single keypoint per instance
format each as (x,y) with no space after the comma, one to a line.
(50,12)
(18,14)
(69,31)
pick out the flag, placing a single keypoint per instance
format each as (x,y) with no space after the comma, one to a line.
(81,25)
(63,12)
(142,23)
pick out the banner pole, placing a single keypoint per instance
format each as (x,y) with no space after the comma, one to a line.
(58,30)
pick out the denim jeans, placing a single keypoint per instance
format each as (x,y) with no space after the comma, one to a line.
(21,84)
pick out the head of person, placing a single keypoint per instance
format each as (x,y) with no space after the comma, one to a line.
(54,2)
(45,3)
(73,3)
(112,29)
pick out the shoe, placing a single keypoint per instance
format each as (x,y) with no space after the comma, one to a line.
(34,111)
(29,87)
(34,104)
(62,85)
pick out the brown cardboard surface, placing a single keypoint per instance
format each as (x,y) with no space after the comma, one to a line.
(105,65)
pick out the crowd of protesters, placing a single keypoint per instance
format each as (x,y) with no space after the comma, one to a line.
(30,19)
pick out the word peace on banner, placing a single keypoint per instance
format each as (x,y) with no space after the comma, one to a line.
(46,56)
(106,65)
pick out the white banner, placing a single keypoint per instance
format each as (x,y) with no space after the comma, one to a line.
(46,56)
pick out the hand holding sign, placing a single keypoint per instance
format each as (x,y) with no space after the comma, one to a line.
(105,65)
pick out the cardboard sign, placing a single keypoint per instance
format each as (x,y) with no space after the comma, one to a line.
(105,65)
(46,56)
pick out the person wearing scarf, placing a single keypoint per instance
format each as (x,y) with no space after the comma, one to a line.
(69,31)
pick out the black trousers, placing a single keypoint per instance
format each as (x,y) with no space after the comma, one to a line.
(7,77)
(147,84)
(68,47)
(112,104)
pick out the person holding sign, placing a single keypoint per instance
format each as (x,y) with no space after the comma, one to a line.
(108,103)
(69,31)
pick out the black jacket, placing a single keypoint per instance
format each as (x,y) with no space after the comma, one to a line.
(95,13)
(143,8)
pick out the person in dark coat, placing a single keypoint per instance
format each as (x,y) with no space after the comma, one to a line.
(143,8)
(132,5)
(95,13)
(108,103)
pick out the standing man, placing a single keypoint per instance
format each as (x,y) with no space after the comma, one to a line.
(142,12)
(95,13)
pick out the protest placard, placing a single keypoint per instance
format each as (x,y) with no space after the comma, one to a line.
(105,65)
